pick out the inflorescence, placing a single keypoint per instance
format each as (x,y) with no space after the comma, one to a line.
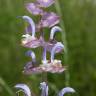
(29,40)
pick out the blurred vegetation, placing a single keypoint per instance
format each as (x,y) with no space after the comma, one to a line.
(79,17)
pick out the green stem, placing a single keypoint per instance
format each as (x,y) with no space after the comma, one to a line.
(67,75)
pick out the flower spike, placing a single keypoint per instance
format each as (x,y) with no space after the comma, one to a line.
(44,88)
(24,88)
(66,90)
(31,22)
(58,46)
(53,31)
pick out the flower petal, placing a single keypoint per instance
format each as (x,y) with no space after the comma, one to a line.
(66,90)
(24,88)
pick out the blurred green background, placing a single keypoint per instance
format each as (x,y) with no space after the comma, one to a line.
(79,17)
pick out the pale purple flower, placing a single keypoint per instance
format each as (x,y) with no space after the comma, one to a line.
(30,41)
(24,88)
(34,8)
(46,66)
(54,66)
(49,20)
(32,66)
(32,63)
(66,90)
(52,42)
(32,24)
(44,89)
(50,45)
(45,3)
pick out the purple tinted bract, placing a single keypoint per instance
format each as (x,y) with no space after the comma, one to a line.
(34,9)
(49,19)
(45,3)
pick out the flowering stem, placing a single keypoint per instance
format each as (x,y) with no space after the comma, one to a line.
(67,75)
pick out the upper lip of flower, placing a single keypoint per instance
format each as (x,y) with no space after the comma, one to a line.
(31,22)
(53,31)
(66,90)
(53,51)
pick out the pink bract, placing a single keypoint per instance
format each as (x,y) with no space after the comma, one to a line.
(49,20)
(45,3)
(34,9)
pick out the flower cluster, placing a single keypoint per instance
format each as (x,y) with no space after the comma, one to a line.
(29,40)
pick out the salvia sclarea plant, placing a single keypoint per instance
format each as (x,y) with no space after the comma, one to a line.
(29,40)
